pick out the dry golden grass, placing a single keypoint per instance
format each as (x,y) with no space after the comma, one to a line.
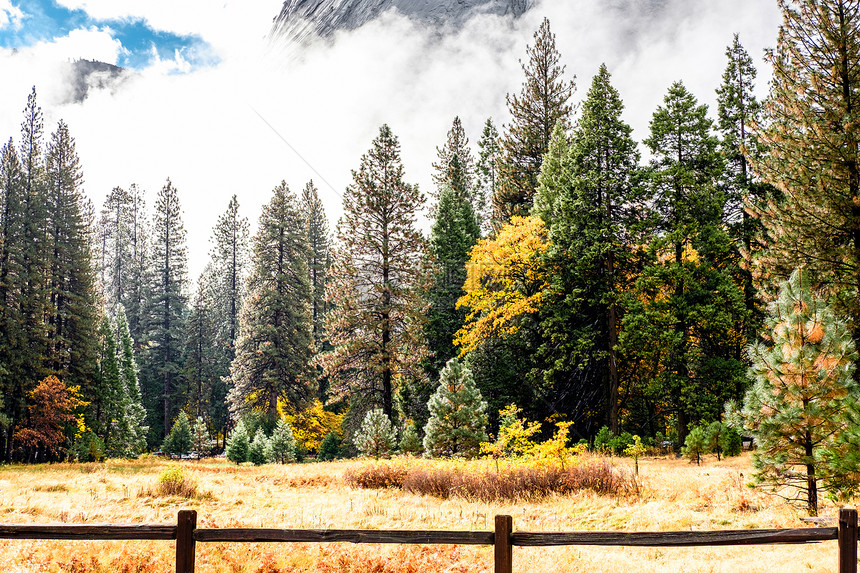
(674,496)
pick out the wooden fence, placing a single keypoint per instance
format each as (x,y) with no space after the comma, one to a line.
(187,535)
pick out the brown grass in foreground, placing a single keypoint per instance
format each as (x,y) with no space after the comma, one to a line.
(674,496)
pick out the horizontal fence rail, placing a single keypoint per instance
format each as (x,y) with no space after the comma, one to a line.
(186,536)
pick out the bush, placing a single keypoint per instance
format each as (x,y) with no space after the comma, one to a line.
(602,440)
(89,448)
(620,443)
(175,482)
(377,476)
(519,483)
(376,437)
(329,448)
(257,448)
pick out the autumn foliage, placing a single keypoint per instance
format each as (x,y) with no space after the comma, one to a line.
(51,412)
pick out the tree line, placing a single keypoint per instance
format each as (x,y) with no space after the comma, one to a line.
(573,279)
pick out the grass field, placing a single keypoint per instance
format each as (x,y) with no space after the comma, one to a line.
(674,496)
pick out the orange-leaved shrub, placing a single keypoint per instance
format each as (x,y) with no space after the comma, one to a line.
(514,482)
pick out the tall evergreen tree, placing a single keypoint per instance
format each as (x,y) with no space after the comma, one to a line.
(738,111)
(543,102)
(165,315)
(133,429)
(455,165)
(319,260)
(591,199)
(685,298)
(455,231)
(72,321)
(812,140)
(204,356)
(486,176)
(273,351)
(379,277)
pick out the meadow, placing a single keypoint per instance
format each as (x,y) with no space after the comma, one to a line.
(672,495)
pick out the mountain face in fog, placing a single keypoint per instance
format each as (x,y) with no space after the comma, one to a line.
(303,19)
(300,19)
(85,75)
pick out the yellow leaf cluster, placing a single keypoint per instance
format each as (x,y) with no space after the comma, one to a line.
(313,424)
(505,280)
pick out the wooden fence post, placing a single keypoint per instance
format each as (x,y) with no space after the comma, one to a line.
(502,544)
(847,541)
(186,523)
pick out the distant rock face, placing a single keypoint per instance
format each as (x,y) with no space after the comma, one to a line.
(302,18)
(89,74)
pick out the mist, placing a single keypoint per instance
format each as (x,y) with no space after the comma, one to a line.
(268,111)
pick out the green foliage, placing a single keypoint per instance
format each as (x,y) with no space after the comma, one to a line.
(722,440)
(175,481)
(458,417)
(410,441)
(180,440)
(200,437)
(602,440)
(282,444)
(617,444)
(274,349)
(258,448)
(804,398)
(376,437)
(330,448)
(696,445)
(89,448)
(635,450)
(238,443)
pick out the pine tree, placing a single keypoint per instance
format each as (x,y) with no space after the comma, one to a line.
(107,403)
(591,199)
(180,439)
(687,317)
(738,112)
(376,437)
(205,361)
(410,441)
(319,260)
(134,429)
(804,396)
(165,314)
(542,103)
(282,444)
(72,322)
(273,351)
(200,437)
(257,449)
(812,139)
(486,176)
(378,278)
(238,443)
(458,415)
(136,292)
(229,264)
(455,166)
(452,237)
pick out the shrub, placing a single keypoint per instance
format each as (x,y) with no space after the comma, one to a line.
(89,448)
(257,448)
(602,440)
(282,444)
(377,476)
(620,443)
(174,481)
(376,437)
(515,436)
(509,484)
(238,443)
(635,451)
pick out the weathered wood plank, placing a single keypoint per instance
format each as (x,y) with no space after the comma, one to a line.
(847,540)
(346,535)
(503,549)
(82,532)
(676,538)
(186,522)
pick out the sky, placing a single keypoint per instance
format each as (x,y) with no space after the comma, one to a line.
(216,106)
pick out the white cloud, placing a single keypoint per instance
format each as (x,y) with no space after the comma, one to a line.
(201,128)
(10,15)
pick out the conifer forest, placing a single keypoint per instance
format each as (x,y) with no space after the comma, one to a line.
(707,274)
